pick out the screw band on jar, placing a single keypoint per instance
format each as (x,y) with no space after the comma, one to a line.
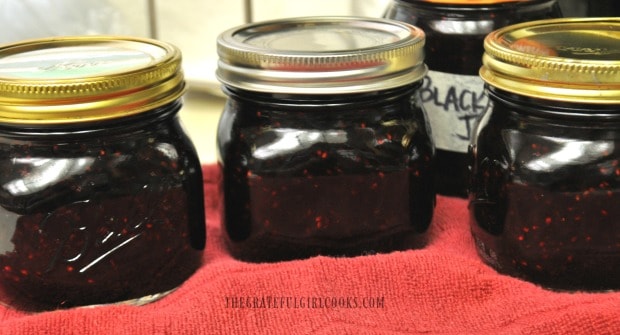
(324,55)
(566,60)
(100,188)
(453,93)
(545,177)
(49,81)
(323,145)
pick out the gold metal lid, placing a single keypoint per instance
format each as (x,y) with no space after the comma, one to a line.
(573,60)
(86,78)
(321,55)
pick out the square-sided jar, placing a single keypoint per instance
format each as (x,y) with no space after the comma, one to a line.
(545,198)
(453,94)
(101,197)
(323,145)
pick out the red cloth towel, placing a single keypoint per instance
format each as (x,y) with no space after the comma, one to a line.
(441,289)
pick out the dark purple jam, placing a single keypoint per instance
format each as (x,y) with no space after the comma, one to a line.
(98,213)
(452,94)
(546,192)
(337,175)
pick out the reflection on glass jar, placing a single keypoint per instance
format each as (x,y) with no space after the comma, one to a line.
(324,149)
(453,94)
(100,188)
(546,173)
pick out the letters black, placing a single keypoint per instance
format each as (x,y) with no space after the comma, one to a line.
(467,104)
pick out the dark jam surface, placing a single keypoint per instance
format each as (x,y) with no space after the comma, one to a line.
(546,192)
(102,215)
(454,45)
(333,175)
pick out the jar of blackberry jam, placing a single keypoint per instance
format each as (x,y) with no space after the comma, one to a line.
(453,93)
(545,198)
(323,145)
(101,195)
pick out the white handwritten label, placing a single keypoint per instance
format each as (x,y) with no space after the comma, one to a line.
(453,104)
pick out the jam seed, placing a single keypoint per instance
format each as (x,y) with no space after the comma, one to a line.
(319,222)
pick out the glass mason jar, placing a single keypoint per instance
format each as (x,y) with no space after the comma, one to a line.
(546,158)
(101,196)
(323,145)
(453,93)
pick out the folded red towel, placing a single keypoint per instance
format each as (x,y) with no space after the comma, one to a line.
(441,289)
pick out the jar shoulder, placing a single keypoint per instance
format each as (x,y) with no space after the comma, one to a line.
(347,139)
(547,152)
(39,172)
